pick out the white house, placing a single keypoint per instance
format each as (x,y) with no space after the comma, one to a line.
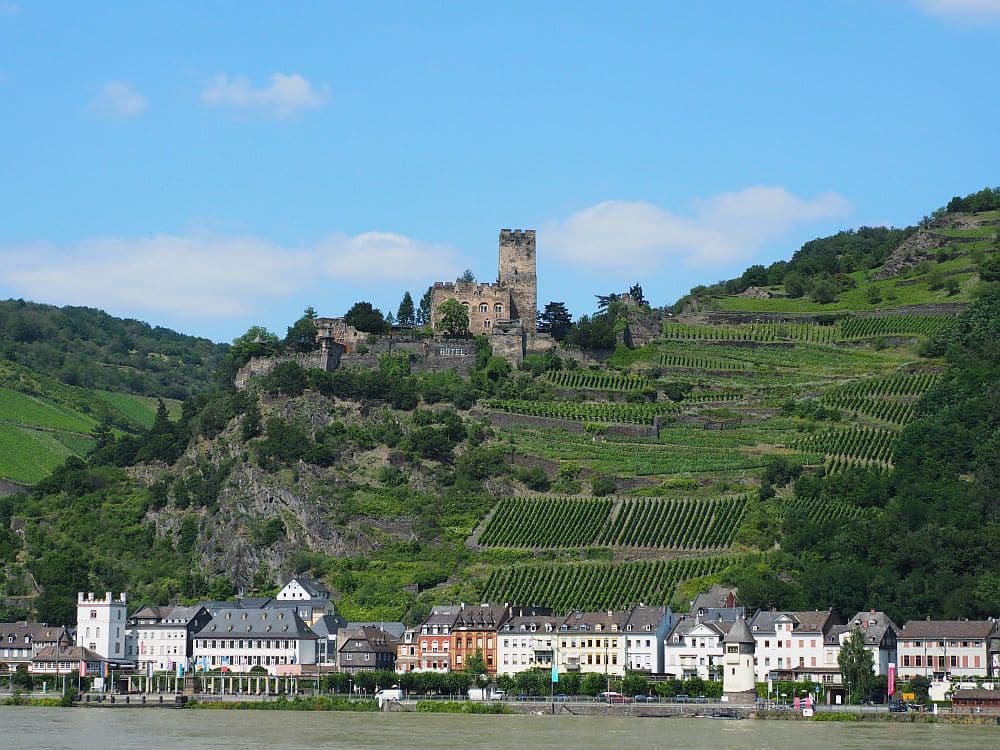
(164,636)
(694,648)
(240,639)
(646,629)
(312,599)
(101,623)
(526,642)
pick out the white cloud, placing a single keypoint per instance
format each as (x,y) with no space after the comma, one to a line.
(219,277)
(285,97)
(118,100)
(965,10)
(721,229)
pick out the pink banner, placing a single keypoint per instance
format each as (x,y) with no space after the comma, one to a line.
(892,679)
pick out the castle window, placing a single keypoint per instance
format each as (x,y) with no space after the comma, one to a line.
(465,305)
(498,309)
(486,324)
(484,307)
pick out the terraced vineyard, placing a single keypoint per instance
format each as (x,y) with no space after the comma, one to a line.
(560,522)
(596,586)
(891,325)
(680,450)
(864,445)
(819,511)
(546,522)
(763,333)
(690,361)
(597,380)
(676,523)
(587,411)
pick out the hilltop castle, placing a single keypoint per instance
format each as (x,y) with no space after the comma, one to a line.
(505,312)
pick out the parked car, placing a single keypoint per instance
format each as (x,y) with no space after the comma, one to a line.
(560,697)
(644,698)
(613,697)
(898,707)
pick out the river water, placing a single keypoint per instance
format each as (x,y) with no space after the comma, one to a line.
(155,729)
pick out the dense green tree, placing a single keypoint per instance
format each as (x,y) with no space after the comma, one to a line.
(424,310)
(406,314)
(794,284)
(467,277)
(593,333)
(475,668)
(366,318)
(556,320)
(301,336)
(453,318)
(824,292)
(856,666)
(256,342)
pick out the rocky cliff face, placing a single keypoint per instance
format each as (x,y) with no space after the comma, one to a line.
(921,244)
(262,517)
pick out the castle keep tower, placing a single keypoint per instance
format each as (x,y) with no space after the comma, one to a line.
(517,273)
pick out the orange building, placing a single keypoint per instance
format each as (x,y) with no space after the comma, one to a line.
(475,629)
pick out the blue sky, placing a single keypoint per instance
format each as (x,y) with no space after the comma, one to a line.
(210,166)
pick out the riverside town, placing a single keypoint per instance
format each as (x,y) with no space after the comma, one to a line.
(718,656)
(539,366)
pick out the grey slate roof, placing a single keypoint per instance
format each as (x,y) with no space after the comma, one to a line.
(394,629)
(810,621)
(328,625)
(975,629)
(686,624)
(588,622)
(264,623)
(715,598)
(37,632)
(367,639)
(874,625)
(311,587)
(532,624)
(70,653)
(739,633)
(644,618)
(485,616)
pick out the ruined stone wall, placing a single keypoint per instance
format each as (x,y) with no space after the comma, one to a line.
(517,272)
(426,355)
(485,303)
(336,330)
(327,359)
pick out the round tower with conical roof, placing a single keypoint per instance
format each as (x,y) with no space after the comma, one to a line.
(738,680)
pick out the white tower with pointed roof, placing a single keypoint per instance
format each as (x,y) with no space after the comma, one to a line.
(738,682)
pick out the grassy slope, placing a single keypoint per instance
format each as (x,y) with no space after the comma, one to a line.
(913,288)
(43,421)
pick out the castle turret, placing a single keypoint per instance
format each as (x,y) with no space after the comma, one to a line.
(518,274)
(738,682)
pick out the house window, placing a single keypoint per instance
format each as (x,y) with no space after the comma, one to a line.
(484,308)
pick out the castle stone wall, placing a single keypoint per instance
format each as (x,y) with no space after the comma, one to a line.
(485,303)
